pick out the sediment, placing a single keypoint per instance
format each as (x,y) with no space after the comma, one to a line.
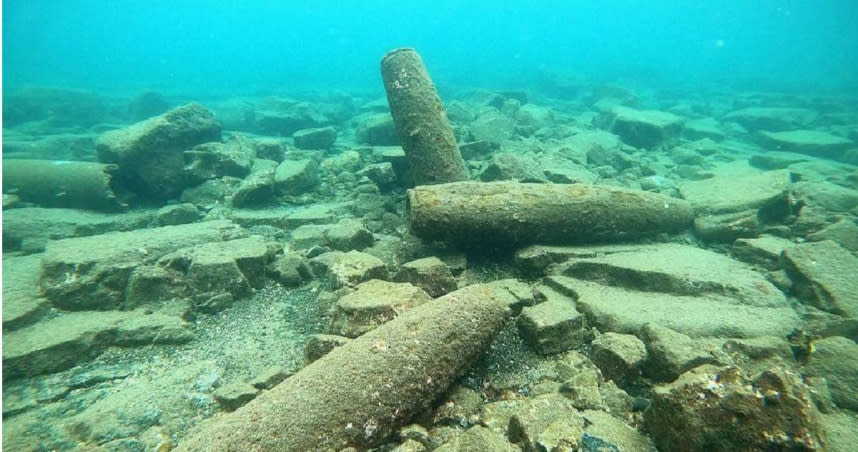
(422,126)
(511,214)
(361,392)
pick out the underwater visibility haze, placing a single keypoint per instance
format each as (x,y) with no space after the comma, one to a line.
(427,225)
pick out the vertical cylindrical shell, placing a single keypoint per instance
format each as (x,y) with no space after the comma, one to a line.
(421,123)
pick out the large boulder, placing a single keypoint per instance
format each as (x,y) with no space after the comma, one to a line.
(150,154)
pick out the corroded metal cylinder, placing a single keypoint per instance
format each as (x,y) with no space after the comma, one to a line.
(51,183)
(511,214)
(362,391)
(424,132)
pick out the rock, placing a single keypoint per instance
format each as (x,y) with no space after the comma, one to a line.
(844,232)
(233,266)
(152,284)
(700,409)
(257,188)
(175,214)
(696,129)
(645,128)
(150,153)
(823,276)
(670,353)
(93,272)
(739,192)
(235,395)
(812,142)
(322,138)
(211,193)
(283,117)
(318,345)
(79,336)
(605,432)
(772,118)
(774,160)
(372,303)
(345,235)
(836,359)
(677,269)
(618,356)
(509,166)
(378,130)
(764,251)
(547,422)
(492,126)
(534,117)
(291,269)
(429,274)
(560,170)
(535,259)
(294,177)
(829,196)
(22,302)
(381,174)
(58,107)
(348,269)
(269,378)
(477,438)
(214,160)
(478,150)
(552,327)
(402,367)
(516,294)
(459,112)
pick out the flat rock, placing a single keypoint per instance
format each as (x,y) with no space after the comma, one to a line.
(671,353)
(772,118)
(679,270)
(318,138)
(537,258)
(728,192)
(348,269)
(347,234)
(22,302)
(373,303)
(290,218)
(764,251)
(645,128)
(511,166)
(30,228)
(627,311)
(293,177)
(79,336)
(93,272)
(696,129)
(812,142)
(823,275)
(844,232)
(606,432)
(836,359)
(257,189)
(829,196)
(773,160)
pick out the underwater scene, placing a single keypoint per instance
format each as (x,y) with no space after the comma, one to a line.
(408,226)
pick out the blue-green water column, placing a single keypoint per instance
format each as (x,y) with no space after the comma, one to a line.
(424,132)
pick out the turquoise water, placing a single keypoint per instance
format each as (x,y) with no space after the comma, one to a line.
(627,225)
(245,47)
